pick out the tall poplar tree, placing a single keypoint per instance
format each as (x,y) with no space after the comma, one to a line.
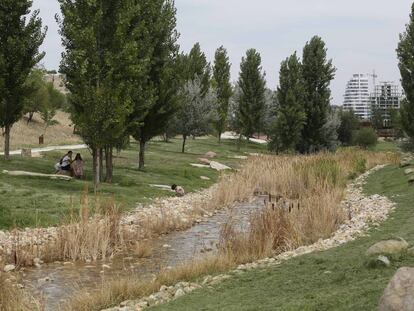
(101,64)
(21,35)
(222,88)
(291,115)
(251,99)
(318,72)
(195,66)
(156,98)
(405,52)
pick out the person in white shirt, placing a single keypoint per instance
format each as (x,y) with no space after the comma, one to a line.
(65,163)
(179,191)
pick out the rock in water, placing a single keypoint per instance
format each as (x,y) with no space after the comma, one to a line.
(399,294)
(387,247)
(411,180)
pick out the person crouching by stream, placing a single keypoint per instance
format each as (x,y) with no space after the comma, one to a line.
(179,191)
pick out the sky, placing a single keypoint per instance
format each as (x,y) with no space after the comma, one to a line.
(361,35)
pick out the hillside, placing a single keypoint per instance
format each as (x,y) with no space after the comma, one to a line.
(26,135)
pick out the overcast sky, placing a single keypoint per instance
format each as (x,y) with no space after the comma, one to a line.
(361,35)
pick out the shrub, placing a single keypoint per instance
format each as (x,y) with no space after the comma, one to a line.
(366,137)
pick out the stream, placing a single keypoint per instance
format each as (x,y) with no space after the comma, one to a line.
(55,283)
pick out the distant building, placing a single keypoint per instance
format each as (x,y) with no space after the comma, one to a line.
(357,96)
(58,81)
(386,96)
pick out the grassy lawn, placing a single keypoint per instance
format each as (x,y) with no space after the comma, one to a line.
(32,201)
(384,146)
(337,279)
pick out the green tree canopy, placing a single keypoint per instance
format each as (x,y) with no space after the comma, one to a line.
(405,53)
(38,95)
(196,66)
(291,115)
(196,112)
(102,63)
(156,98)
(222,88)
(349,124)
(251,99)
(318,72)
(21,35)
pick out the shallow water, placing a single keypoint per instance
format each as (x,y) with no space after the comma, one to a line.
(168,251)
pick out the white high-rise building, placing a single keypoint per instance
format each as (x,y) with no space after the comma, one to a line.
(357,96)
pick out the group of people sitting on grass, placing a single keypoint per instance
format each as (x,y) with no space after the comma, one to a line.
(70,167)
(74,168)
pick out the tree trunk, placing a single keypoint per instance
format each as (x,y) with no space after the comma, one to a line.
(219,137)
(184,141)
(31,114)
(7,142)
(101,164)
(142,144)
(109,164)
(239,141)
(96,168)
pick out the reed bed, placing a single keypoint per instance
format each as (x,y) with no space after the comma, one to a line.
(305,193)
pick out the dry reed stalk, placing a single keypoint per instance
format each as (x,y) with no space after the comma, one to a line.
(143,249)
(89,238)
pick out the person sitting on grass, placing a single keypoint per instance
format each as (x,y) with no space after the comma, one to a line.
(65,163)
(179,191)
(77,166)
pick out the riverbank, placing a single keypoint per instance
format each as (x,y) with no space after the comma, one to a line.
(283,225)
(336,279)
(364,211)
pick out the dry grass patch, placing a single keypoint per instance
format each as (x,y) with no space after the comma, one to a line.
(25,134)
(117,291)
(305,196)
(142,249)
(15,299)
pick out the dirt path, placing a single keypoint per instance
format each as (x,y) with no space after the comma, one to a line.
(48,149)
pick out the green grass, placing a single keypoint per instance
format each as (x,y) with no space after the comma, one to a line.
(384,146)
(338,279)
(33,201)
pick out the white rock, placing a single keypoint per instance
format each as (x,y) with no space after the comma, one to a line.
(218,166)
(9,268)
(180,292)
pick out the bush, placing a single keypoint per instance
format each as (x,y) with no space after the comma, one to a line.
(366,137)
